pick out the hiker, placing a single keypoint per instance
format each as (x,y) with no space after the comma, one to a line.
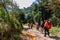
(42,25)
(47,26)
(37,26)
(31,25)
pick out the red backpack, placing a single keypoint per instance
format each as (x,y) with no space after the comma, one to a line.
(49,25)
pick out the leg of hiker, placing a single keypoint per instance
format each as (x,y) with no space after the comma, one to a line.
(37,28)
(48,32)
(45,30)
(42,25)
(42,30)
(31,27)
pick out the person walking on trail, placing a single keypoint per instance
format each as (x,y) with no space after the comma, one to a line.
(37,26)
(47,26)
(42,25)
(31,25)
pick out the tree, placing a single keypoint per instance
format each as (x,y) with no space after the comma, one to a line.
(11,28)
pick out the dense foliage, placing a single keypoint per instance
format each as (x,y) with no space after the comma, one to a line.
(44,9)
(10,26)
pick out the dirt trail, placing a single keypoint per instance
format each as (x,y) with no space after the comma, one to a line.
(32,34)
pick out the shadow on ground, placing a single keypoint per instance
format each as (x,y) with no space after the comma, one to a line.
(55,37)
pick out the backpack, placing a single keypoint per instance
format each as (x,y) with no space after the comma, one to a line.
(31,24)
(37,25)
(49,25)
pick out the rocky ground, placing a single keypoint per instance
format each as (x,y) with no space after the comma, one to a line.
(37,35)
